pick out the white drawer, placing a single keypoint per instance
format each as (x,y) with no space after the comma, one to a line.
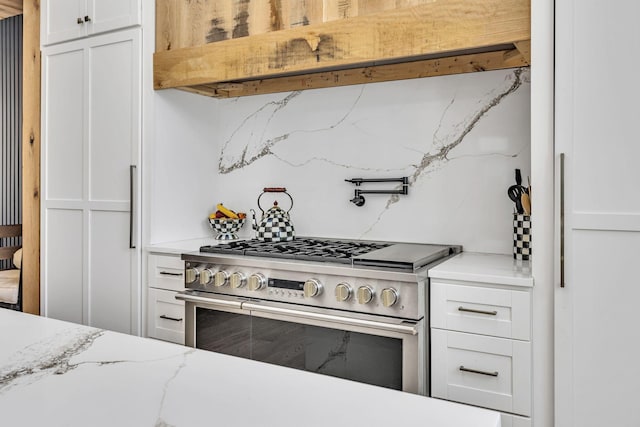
(165,272)
(484,371)
(165,316)
(488,311)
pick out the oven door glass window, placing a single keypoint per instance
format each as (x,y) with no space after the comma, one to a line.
(357,356)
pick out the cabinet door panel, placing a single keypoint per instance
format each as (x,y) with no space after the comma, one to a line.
(110,271)
(63,111)
(62,269)
(112,130)
(596,334)
(107,15)
(59,20)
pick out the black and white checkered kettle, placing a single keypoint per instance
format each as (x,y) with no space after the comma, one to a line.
(275,224)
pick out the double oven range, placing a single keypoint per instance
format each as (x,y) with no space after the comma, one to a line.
(352,309)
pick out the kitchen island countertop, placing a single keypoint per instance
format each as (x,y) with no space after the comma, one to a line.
(56,373)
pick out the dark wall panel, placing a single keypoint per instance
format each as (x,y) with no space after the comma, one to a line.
(11,122)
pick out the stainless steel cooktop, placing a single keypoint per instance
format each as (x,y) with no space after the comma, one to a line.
(386,255)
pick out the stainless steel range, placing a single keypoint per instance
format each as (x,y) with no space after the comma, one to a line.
(351,309)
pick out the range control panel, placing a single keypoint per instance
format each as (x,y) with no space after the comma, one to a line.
(382,297)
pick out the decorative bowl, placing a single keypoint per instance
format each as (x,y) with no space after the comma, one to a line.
(226,227)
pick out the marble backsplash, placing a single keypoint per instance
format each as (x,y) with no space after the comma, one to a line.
(457,138)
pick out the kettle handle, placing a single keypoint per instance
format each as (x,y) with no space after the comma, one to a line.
(274,190)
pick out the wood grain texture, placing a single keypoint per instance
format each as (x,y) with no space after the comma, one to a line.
(443,27)
(181,24)
(9,8)
(31,158)
(408,70)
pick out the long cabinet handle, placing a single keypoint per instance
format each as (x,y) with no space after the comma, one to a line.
(175,319)
(132,172)
(471,310)
(168,273)
(562,283)
(475,371)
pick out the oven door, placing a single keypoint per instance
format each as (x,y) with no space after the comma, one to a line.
(376,350)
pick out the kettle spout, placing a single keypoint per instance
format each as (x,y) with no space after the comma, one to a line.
(254,223)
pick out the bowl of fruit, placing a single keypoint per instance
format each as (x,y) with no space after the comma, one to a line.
(226,222)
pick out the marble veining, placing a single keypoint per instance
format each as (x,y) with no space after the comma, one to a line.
(58,374)
(338,353)
(253,129)
(49,357)
(446,138)
(458,138)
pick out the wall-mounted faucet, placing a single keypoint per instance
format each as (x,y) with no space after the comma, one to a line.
(358,199)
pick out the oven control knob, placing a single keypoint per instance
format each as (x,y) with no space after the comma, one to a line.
(365,294)
(389,297)
(237,280)
(312,288)
(220,278)
(256,282)
(343,292)
(206,276)
(191,275)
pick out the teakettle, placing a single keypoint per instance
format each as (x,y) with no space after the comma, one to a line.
(275,224)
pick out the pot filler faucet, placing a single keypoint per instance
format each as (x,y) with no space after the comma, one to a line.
(358,199)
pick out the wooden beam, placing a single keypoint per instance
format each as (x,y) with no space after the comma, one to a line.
(442,27)
(375,74)
(31,158)
(524,47)
(9,8)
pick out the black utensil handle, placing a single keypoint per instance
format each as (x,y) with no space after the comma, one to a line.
(518,177)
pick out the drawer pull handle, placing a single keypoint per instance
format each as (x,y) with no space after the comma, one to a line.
(175,319)
(471,310)
(475,371)
(168,273)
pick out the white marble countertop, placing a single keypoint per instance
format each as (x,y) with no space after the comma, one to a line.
(54,373)
(485,268)
(183,246)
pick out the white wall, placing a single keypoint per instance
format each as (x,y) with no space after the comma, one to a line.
(459,139)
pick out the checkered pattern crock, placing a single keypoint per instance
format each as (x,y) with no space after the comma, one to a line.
(521,237)
(226,228)
(275,230)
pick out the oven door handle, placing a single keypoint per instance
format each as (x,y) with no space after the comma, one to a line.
(183,296)
(406,328)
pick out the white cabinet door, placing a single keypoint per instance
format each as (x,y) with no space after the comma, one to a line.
(91,140)
(107,15)
(62,20)
(597,343)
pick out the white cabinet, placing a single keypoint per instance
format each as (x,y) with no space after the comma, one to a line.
(90,193)
(64,20)
(480,370)
(480,318)
(165,314)
(597,345)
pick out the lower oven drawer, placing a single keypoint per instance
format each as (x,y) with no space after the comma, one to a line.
(165,316)
(484,371)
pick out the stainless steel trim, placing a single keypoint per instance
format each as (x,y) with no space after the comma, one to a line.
(169,273)
(175,319)
(475,371)
(209,301)
(408,328)
(471,310)
(562,282)
(132,170)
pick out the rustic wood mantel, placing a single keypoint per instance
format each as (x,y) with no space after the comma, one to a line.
(427,39)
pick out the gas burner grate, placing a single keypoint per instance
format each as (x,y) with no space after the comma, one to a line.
(322,250)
